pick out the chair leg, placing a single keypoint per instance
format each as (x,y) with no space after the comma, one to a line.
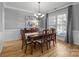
(41,47)
(55,38)
(53,42)
(35,45)
(25,48)
(22,46)
(47,45)
(31,49)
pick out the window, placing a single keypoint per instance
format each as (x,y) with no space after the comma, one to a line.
(61,24)
(58,20)
(52,22)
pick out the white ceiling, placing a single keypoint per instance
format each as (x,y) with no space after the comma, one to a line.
(33,6)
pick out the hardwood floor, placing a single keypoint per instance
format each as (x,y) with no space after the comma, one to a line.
(13,49)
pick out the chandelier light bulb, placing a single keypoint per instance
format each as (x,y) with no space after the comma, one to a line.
(39,13)
(34,14)
(42,15)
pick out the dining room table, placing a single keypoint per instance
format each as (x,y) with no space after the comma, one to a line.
(33,36)
(36,36)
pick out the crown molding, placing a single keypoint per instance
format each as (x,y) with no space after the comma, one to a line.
(63,7)
(18,9)
(23,10)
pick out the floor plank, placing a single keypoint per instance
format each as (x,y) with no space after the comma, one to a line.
(13,49)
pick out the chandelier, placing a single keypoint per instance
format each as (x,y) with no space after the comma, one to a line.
(39,15)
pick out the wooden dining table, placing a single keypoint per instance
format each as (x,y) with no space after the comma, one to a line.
(32,37)
(36,36)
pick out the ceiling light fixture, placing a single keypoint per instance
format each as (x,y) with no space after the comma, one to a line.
(39,14)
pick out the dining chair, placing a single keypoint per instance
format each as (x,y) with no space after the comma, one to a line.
(52,37)
(45,31)
(46,36)
(42,40)
(25,41)
(54,34)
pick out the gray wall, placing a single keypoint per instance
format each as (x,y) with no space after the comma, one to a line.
(1,27)
(76,17)
(0,17)
(76,24)
(14,19)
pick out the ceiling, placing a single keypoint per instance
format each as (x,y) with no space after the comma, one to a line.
(33,6)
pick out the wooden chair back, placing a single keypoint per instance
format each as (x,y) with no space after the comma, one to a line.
(45,32)
(53,35)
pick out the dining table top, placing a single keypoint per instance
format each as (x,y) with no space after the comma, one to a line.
(35,35)
(31,34)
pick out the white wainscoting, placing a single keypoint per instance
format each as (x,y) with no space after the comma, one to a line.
(60,38)
(9,35)
(76,37)
(1,45)
(15,35)
(1,41)
(12,34)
